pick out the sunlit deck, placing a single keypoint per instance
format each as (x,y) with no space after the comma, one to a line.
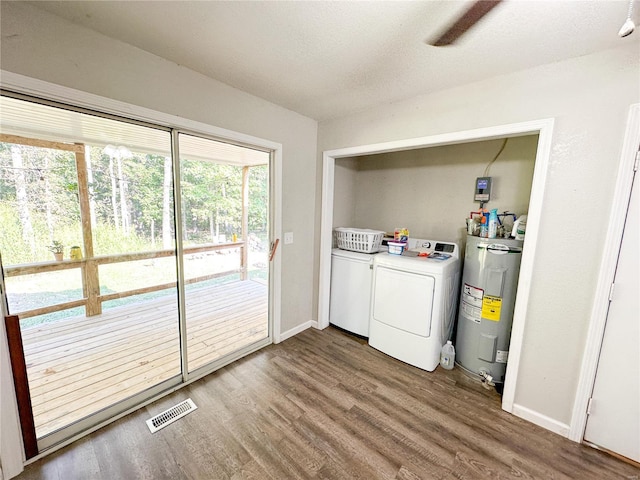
(82,364)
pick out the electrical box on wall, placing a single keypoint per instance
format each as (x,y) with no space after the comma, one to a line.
(483,189)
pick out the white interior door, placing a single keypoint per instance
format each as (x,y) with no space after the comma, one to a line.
(614,419)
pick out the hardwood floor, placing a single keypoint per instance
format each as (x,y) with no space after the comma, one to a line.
(325,405)
(81,365)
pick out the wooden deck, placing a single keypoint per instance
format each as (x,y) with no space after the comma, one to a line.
(80,365)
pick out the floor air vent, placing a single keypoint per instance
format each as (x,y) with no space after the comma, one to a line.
(169,416)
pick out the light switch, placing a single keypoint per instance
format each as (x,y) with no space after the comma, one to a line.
(288,238)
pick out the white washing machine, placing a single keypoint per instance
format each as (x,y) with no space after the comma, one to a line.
(413,301)
(350,299)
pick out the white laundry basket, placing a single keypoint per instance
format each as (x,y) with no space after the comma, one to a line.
(358,239)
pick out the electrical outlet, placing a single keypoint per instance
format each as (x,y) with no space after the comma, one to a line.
(288,238)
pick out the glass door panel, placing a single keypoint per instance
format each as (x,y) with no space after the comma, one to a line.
(99,322)
(225,211)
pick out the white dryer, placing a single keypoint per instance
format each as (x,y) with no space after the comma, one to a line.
(413,301)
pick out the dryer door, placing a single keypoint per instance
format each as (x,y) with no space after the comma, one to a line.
(403,300)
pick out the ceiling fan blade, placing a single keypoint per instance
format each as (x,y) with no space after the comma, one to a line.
(468,19)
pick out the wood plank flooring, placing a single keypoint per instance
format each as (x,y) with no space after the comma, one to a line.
(80,365)
(325,405)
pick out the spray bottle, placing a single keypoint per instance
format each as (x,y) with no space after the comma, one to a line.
(493,223)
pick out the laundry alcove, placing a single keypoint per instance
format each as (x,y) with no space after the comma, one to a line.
(337,171)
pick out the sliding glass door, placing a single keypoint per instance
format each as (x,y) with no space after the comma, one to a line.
(224,212)
(88,253)
(123,291)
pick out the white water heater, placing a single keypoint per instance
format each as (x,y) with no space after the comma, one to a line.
(487,299)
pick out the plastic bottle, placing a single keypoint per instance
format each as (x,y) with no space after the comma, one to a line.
(522,227)
(447,355)
(519,227)
(484,225)
(493,223)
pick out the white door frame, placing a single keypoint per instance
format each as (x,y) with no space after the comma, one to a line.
(610,252)
(11,445)
(543,128)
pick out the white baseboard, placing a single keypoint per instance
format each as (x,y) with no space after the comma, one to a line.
(541,420)
(296,330)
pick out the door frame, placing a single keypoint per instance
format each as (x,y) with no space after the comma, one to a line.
(611,249)
(48,91)
(12,453)
(544,129)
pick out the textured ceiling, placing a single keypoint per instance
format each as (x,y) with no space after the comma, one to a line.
(328,59)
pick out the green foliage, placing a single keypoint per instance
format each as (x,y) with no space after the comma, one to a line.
(146,201)
(259,198)
(38,202)
(56,247)
(211,201)
(108,241)
(15,250)
(12,250)
(211,193)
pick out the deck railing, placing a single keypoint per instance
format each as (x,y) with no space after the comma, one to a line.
(92,299)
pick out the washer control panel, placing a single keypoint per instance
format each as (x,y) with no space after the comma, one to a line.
(432,246)
(445,247)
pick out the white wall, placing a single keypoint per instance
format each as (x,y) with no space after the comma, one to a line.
(42,46)
(346,193)
(589,98)
(430,190)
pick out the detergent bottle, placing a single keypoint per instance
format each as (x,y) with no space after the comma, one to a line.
(519,227)
(493,223)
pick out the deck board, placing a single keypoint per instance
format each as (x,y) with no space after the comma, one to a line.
(80,365)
